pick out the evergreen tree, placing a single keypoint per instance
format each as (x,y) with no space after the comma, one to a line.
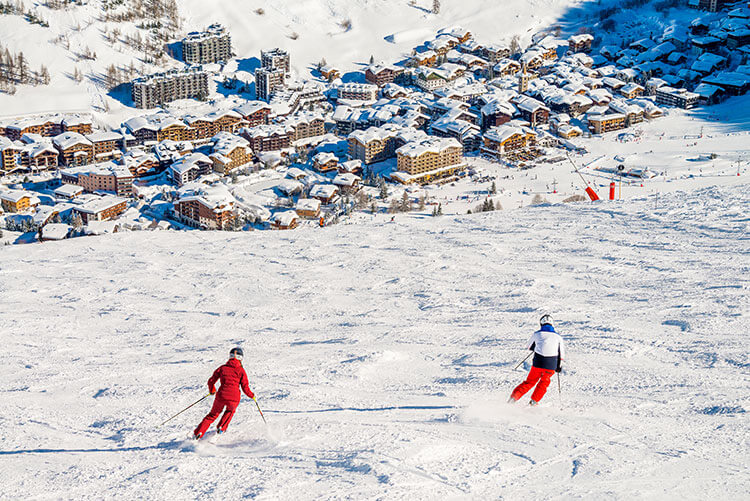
(405,205)
(383,189)
(440,210)
(493,188)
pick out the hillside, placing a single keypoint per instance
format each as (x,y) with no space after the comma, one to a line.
(345,32)
(382,356)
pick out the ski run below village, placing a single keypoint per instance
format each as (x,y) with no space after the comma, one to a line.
(382,355)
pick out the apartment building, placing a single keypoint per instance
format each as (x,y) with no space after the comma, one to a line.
(358,92)
(679,98)
(267,81)
(428,159)
(154,90)
(600,124)
(106,176)
(275,59)
(214,45)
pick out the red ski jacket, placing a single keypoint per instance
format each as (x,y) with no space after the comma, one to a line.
(232,375)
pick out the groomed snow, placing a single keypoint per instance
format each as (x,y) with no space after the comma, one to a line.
(382,356)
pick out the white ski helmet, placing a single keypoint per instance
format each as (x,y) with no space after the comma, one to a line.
(545,320)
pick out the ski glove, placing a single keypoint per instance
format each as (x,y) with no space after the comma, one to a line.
(251,395)
(212,391)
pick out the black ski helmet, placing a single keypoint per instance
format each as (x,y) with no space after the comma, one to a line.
(545,320)
(236,353)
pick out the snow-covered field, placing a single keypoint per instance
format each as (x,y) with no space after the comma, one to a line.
(382,355)
(309,29)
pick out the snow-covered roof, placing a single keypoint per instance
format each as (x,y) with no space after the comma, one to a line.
(346,179)
(431,144)
(67,140)
(55,231)
(323,191)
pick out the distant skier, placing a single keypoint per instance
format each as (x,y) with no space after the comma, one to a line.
(232,376)
(549,352)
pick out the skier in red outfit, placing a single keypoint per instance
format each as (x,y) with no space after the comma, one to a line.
(232,376)
(549,351)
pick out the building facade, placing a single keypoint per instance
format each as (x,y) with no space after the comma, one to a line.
(214,45)
(154,90)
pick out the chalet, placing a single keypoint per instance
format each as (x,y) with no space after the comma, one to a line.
(28,154)
(580,43)
(633,113)
(189,168)
(326,193)
(44,126)
(496,113)
(506,138)
(103,208)
(230,152)
(373,145)
(381,75)
(464,132)
(709,94)
(733,83)
(106,145)
(461,34)
(357,92)
(296,174)
(531,110)
(567,131)
(140,163)
(142,129)
(54,232)
(351,167)
(600,124)
(73,148)
(290,187)
(347,183)
(325,162)
(705,44)
(738,38)
(494,53)
(427,58)
(269,137)
(254,112)
(506,67)
(631,90)
(78,124)
(308,208)
(68,191)
(207,207)
(18,201)
(306,125)
(285,220)
(106,176)
(330,73)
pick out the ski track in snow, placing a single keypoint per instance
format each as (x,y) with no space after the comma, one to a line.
(382,354)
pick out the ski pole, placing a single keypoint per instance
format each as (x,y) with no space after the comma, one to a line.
(261,412)
(186,408)
(522,361)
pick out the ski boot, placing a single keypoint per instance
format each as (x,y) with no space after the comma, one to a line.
(198,436)
(533,403)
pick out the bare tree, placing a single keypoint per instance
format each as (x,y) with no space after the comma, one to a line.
(436,6)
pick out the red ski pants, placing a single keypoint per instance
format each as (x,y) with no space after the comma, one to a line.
(535,374)
(219,404)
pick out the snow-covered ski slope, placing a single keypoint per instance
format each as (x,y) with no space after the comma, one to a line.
(382,357)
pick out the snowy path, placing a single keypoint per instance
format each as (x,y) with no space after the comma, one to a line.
(382,356)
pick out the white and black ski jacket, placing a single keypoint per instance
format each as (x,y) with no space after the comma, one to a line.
(548,348)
